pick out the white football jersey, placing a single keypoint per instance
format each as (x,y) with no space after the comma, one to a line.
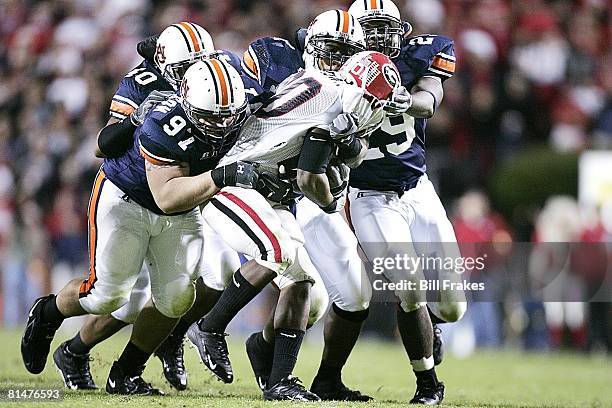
(308,99)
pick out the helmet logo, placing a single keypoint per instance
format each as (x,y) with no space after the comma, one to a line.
(160,55)
(391,75)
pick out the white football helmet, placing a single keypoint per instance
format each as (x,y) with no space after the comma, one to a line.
(179,46)
(213,98)
(382,25)
(332,37)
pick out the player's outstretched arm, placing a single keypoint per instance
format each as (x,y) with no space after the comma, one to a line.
(175,191)
(427,95)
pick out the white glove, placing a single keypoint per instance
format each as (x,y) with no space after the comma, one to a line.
(155,97)
(343,128)
(399,102)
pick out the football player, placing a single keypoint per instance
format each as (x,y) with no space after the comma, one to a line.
(137,92)
(291,138)
(137,214)
(391,199)
(331,39)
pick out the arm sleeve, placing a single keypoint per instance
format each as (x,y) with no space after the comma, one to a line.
(116,138)
(443,63)
(316,152)
(152,148)
(125,100)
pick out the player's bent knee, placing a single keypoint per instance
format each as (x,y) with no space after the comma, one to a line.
(175,299)
(450,312)
(357,316)
(101,306)
(319,300)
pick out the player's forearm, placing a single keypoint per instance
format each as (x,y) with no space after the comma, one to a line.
(315,187)
(427,95)
(184,193)
(354,162)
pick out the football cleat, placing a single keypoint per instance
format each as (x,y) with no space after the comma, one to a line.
(36,340)
(121,382)
(336,391)
(289,389)
(170,353)
(213,352)
(428,394)
(74,368)
(260,362)
(438,345)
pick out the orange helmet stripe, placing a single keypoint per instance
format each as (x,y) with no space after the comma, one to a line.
(192,35)
(373,4)
(346,19)
(223,81)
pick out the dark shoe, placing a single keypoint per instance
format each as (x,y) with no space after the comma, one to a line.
(170,352)
(260,363)
(428,394)
(336,391)
(289,389)
(120,382)
(213,352)
(36,340)
(438,345)
(74,368)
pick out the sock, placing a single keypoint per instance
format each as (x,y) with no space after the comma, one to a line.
(263,345)
(427,377)
(132,358)
(287,343)
(341,332)
(329,373)
(76,345)
(181,328)
(236,296)
(51,314)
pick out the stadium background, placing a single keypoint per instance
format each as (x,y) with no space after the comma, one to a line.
(533,91)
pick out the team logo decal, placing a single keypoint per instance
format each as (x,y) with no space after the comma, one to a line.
(391,75)
(160,54)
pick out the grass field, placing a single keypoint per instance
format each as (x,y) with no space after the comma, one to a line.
(488,379)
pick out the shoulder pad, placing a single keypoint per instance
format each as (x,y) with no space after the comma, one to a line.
(162,134)
(429,54)
(134,88)
(270,60)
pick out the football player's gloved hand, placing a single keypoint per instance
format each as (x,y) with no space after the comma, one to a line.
(273,188)
(343,128)
(238,174)
(336,206)
(399,103)
(146,48)
(155,97)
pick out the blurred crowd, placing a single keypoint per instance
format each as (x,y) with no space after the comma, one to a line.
(529,72)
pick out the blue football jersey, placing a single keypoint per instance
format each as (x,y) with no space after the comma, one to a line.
(135,87)
(166,137)
(396,158)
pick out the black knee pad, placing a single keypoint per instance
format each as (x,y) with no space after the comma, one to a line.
(355,317)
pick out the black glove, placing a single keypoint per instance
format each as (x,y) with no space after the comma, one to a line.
(273,188)
(146,48)
(239,174)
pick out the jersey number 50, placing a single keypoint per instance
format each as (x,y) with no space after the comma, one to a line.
(403,132)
